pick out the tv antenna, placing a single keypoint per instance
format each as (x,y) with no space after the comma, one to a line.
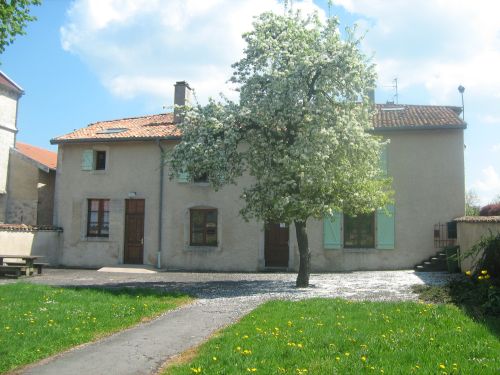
(394,86)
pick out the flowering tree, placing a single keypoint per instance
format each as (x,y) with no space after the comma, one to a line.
(301,128)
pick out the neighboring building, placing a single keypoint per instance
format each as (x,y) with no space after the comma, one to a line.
(31,184)
(27,173)
(10,93)
(116,204)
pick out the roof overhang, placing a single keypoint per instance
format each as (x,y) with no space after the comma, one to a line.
(418,127)
(31,161)
(56,141)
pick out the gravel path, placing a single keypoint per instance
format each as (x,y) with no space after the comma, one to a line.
(222,299)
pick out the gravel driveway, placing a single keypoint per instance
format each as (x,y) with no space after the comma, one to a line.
(362,285)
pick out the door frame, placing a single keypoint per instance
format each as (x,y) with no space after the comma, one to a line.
(262,257)
(125,230)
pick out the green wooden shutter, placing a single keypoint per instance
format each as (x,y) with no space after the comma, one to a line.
(183,177)
(332,231)
(385,227)
(383,160)
(87,160)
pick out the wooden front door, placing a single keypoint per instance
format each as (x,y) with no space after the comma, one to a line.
(276,245)
(134,231)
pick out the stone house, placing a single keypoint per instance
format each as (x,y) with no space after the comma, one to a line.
(117,206)
(27,173)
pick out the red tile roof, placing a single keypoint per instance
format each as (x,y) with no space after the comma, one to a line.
(10,84)
(42,156)
(403,116)
(387,117)
(130,129)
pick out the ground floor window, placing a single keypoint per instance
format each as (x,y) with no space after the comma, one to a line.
(359,231)
(98,218)
(203,227)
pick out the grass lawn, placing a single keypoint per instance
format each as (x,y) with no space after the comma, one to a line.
(37,321)
(333,336)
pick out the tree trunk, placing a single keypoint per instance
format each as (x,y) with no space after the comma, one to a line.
(305,255)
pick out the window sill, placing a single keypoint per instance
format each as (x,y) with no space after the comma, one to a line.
(96,239)
(201,248)
(360,250)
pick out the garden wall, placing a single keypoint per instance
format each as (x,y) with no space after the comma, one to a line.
(27,240)
(470,230)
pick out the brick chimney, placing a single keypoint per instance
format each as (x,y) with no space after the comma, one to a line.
(182,96)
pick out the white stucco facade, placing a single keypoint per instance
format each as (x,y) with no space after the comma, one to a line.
(427,168)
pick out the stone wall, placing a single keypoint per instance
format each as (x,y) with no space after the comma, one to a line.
(470,230)
(25,240)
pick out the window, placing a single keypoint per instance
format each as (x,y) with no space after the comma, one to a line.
(98,218)
(100,160)
(93,160)
(359,231)
(203,227)
(201,178)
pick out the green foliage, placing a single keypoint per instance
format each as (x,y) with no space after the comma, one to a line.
(472,205)
(333,336)
(14,16)
(38,321)
(301,128)
(478,296)
(486,255)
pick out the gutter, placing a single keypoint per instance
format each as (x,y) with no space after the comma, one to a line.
(56,141)
(160,211)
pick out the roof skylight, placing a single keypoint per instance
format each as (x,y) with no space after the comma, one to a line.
(112,130)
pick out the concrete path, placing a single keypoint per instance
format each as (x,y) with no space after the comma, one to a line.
(144,348)
(223,299)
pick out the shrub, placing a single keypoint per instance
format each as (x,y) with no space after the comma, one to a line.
(492,209)
(487,255)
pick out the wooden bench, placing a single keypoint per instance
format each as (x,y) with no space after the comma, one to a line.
(11,270)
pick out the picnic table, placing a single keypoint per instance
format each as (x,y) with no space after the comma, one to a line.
(17,265)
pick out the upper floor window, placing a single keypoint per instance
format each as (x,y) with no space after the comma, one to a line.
(201,178)
(359,231)
(98,218)
(93,160)
(203,227)
(100,160)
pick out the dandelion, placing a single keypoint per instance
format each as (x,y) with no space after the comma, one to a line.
(246,352)
(252,369)
(245,337)
(442,366)
(468,273)
(487,277)
(480,277)
(214,359)
(347,354)
(299,345)
(196,370)
(484,272)
(363,358)
(337,358)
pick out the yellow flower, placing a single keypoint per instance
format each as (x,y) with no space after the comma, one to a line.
(337,358)
(347,354)
(363,358)
(245,337)
(480,277)
(196,370)
(487,277)
(253,369)
(484,272)
(214,358)
(442,366)
(468,273)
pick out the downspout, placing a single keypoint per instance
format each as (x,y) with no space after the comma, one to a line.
(160,213)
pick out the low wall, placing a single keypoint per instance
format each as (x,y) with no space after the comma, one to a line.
(470,230)
(24,240)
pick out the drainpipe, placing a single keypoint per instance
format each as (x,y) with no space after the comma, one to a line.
(160,213)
